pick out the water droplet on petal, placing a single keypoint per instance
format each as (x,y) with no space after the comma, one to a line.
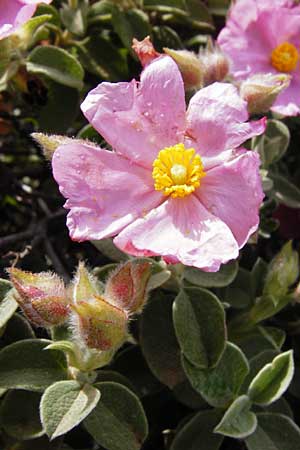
(149,104)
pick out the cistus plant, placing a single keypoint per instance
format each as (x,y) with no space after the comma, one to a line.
(149,233)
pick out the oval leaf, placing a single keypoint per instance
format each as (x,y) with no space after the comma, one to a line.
(161,348)
(274,432)
(223,277)
(272,380)
(56,64)
(199,321)
(20,415)
(65,404)
(118,422)
(238,422)
(197,433)
(26,365)
(219,385)
(8,304)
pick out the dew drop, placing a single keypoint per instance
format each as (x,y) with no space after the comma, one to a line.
(146,114)
(78,172)
(161,115)
(149,104)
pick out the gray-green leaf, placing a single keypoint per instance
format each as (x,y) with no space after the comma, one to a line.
(65,404)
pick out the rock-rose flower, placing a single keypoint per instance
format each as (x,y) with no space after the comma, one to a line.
(263,36)
(175,185)
(14,13)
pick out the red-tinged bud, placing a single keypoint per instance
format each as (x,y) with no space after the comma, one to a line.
(97,323)
(260,91)
(214,62)
(126,287)
(144,50)
(190,67)
(41,296)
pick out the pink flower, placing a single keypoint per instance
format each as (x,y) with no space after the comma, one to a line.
(175,185)
(14,13)
(263,36)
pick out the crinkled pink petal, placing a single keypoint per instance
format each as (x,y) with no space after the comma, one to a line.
(105,191)
(14,13)
(181,230)
(288,102)
(216,122)
(138,120)
(233,193)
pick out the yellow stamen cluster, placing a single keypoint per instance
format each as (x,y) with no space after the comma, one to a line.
(285,57)
(177,171)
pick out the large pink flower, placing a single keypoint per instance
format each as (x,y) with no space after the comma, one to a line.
(14,13)
(157,194)
(263,36)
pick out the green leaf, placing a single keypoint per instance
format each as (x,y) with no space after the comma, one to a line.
(219,386)
(257,362)
(240,293)
(223,277)
(43,8)
(25,365)
(65,404)
(272,380)
(56,64)
(273,144)
(283,271)
(118,422)
(108,248)
(285,191)
(8,305)
(238,421)
(199,321)
(27,32)
(17,329)
(161,348)
(130,24)
(197,433)
(274,432)
(20,415)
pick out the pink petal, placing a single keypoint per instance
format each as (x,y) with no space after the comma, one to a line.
(216,122)
(288,102)
(233,192)
(138,120)
(181,230)
(105,191)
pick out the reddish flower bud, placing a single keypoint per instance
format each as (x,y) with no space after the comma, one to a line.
(144,50)
(126,287)
(41,296)
(97,323)
(214,62)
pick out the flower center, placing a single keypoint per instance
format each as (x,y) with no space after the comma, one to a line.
(285,57)
(177,171)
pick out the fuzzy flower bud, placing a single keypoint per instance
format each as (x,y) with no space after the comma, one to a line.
(189,65)
(49,143)
(99,324)
(260,91)
(41,296)
(144,50)
(126,286)
(215,64)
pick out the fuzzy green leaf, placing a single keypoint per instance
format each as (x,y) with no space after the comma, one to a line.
(197,433)
(56,64)
(223,277)
(220,385)
(118,422)
(199,321)
(274,432)
(272,380)
(26,365)
(65,404)
(238,421)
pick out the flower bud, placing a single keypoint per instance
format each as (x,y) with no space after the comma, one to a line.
(99,324)
(41,296)
(215,64)
(144,50)
(50,143)
(126,287)
(189,65)
(260,91)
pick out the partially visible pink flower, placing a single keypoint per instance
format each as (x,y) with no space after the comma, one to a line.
(14,13)
(263,36)
(176,184)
